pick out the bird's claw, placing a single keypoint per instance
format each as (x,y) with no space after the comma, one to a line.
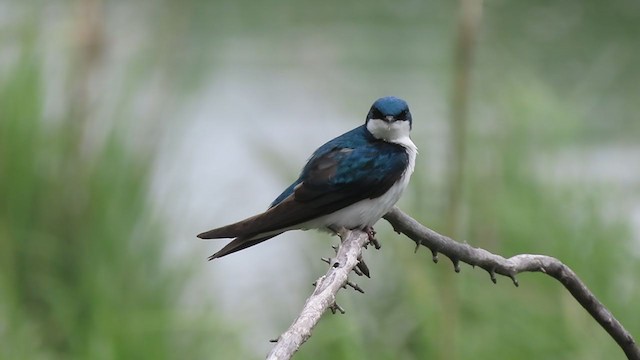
(372,237)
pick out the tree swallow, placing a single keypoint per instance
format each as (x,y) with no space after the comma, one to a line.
(349,182)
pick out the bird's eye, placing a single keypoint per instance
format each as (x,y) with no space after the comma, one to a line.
(402,115)
(376,114)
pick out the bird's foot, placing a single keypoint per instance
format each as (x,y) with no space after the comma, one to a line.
(372,237)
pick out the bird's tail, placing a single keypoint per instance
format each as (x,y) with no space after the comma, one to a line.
(256,229)
(266,223)
(247,233)
(238,244)
(238,229)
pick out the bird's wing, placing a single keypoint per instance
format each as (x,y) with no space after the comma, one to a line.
(331,180)
(345,175)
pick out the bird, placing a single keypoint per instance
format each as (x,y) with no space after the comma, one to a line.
(350,182)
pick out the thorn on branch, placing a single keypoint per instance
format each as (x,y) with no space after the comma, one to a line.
(335,308)
(357,271)
(492,274)
(274,340)
(456,264)
(355,287)
(327,260)
(513,278)
(434,256)
(363,268)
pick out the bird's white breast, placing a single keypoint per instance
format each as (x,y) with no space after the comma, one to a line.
(368,211)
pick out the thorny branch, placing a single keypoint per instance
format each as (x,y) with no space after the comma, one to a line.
(323,298)
(324,295)
(496,264)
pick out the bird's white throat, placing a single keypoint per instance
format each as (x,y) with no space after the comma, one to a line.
(396,132)
(389,131)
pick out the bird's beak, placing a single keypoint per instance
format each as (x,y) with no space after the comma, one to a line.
(389,118)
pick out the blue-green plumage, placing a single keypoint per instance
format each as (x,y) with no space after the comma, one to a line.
(352,167)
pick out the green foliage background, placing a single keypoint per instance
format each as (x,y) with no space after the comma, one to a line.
(85,268)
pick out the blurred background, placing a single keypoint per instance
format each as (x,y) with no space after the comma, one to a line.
(127,127)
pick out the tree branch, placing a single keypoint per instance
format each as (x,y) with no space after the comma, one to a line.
(495,264)
(327,286)
(324,295)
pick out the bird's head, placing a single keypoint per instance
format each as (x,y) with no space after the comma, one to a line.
(389,119)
